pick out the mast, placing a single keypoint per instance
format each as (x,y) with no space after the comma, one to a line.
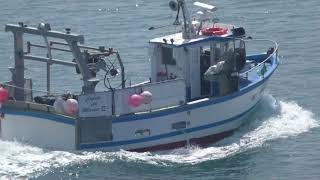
(188,31)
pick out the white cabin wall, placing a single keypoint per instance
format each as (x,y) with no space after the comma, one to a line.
(155,58)
(194,59)
(164,94)
(187,67)
(182,57)
(180,69)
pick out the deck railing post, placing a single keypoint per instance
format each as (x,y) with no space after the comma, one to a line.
(44,28)
(18,72)
(277,55)
(48,79)
(264,69)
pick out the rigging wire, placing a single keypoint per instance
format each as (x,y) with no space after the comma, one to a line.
(32,90)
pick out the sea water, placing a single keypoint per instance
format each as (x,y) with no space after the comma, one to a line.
(279,141)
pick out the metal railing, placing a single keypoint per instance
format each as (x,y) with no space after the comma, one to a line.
(275,52)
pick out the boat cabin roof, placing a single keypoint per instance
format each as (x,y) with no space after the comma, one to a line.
(176,40)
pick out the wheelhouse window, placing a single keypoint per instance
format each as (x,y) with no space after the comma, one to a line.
(167,56)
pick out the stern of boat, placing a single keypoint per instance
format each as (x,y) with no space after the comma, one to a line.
(37,124)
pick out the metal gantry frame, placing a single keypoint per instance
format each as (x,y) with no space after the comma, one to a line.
(72,41)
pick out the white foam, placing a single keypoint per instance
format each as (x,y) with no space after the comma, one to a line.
(279,120)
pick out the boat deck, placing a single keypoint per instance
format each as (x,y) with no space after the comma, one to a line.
(254,71)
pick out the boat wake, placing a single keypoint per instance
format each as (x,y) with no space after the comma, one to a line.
(272,120)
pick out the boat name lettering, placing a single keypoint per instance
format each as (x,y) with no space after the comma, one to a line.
(95,105)
(92,98)
(86,109)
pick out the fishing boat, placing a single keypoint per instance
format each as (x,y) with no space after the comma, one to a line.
(203,85)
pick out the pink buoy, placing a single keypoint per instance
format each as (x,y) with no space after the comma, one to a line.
(70,106)
(4,95)
(147,96)
(135,100)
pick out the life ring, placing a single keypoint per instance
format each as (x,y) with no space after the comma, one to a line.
(218,31)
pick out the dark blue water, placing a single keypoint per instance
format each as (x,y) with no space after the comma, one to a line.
(280,141)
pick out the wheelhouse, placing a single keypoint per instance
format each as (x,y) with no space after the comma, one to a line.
(173,57)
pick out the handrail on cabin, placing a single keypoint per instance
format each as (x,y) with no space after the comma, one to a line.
(275,52)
